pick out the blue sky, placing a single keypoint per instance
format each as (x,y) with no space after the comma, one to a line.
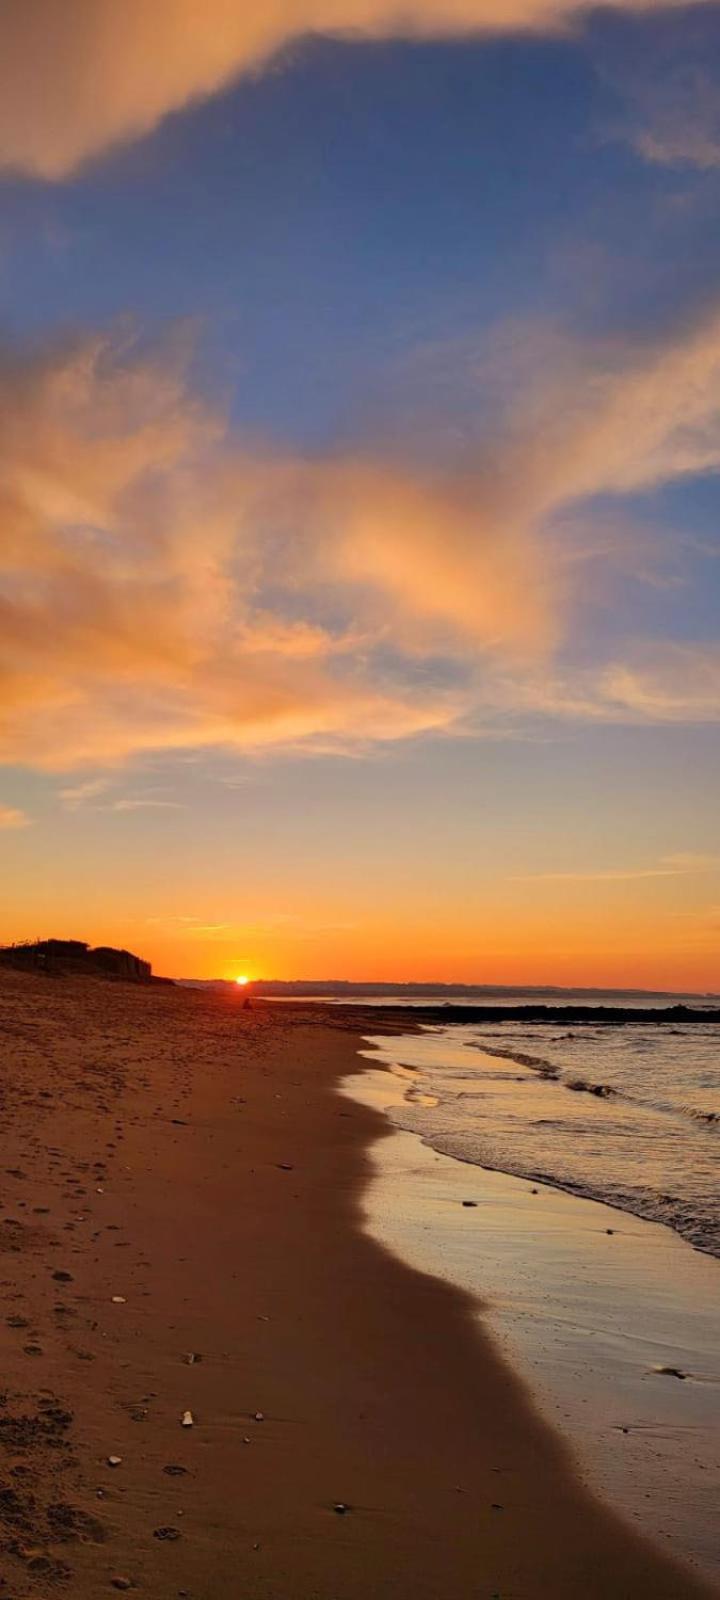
(365,199)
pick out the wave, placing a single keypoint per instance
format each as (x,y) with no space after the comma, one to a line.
(641,1137)
(551,1072)
(539,1064)
(703,1233)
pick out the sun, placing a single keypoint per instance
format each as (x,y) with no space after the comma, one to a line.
(242,980)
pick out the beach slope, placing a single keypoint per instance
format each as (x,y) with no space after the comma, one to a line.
(181,1233)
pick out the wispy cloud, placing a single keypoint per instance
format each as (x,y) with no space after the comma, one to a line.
(12,817)
(675,866)
(693,861)
(659,682)
(102,73)
(669,79)
(140,608)
(288,924)
(146,805)
(94,792)
(78,794)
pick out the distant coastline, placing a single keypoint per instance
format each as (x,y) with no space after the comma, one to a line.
(341,988)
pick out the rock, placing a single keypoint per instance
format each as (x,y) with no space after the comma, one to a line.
(63,1277)
(341,1508)
(114,1461)
(174,1471)
(187,1419)
(119,1300)
(259,1416)
(167,1534)
(121,1583)
(470,1202)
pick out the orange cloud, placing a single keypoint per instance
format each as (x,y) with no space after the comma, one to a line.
(78,76)
(164,587)
(11,817)
(132,569)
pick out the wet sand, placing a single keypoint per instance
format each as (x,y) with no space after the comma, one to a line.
(614,1322)
(180,1178)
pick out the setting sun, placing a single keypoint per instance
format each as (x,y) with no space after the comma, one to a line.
(243,979)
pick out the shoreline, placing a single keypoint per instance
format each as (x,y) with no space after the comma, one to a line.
(196,1178)
(627,1205)
(600,1329)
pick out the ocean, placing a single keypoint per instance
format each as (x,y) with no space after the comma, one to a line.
(626,1115)
(568,1178)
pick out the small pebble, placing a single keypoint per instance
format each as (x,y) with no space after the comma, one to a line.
(119,1300)
(187,1419)
(166,1534)
(114,1461)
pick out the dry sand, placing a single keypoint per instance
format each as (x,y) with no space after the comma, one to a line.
(192,1159)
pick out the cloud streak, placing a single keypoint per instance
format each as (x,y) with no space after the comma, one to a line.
(79,76)
(678,866)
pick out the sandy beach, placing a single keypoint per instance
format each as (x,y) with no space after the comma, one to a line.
(181,1232)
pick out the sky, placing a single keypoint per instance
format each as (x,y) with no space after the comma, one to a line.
(360,437)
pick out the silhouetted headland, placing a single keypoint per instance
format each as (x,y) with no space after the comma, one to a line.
(74,957)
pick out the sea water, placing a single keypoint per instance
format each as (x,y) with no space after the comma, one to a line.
(628,1115)
(568,1178)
